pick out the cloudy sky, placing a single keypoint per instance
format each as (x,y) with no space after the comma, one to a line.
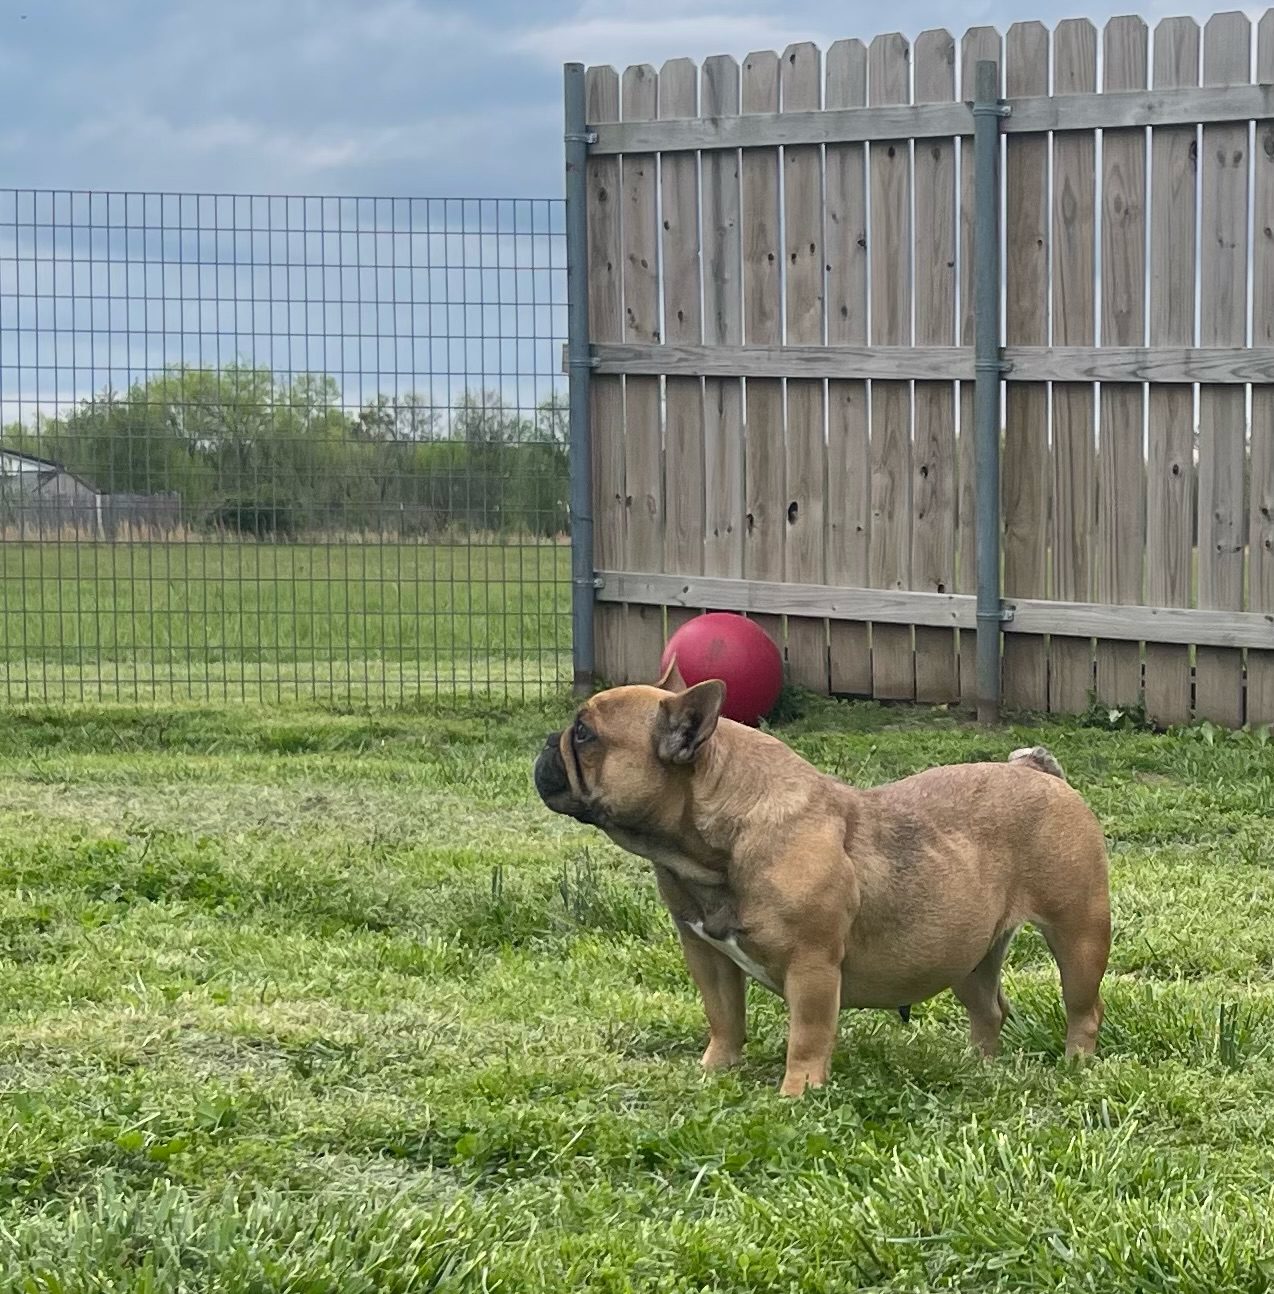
(410,97)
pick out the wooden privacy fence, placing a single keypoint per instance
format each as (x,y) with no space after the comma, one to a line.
(780,326)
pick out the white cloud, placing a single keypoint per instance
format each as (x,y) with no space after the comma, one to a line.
(392,27)
(299,156)
(623,39)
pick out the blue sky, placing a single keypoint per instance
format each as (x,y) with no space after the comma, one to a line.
(412,97)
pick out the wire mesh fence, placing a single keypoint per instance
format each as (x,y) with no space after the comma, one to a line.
(261,447)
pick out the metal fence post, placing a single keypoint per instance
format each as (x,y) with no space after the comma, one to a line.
(988,373)
(583,586)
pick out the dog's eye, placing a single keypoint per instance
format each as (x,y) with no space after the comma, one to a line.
(582,732)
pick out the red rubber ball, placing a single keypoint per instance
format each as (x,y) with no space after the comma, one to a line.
(721,644)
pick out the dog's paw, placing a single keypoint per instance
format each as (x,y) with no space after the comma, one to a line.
(797,1082)
(718,1056)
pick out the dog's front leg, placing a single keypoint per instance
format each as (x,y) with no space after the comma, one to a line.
(812,989)
(723,987)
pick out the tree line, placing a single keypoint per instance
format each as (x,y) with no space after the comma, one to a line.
(248,450)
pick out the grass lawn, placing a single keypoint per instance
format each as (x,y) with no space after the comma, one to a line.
(242,621)
(313,1001)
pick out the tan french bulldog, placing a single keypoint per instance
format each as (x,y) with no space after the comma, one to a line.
(829,895)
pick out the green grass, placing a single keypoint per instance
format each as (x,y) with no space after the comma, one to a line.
(307,1001)
(243,621)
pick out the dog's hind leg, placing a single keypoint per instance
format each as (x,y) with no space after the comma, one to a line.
(984,999)
(1081,947)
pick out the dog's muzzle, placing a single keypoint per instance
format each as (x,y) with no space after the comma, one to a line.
(550,772)
(554,786)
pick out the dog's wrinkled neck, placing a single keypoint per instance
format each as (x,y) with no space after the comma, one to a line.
(675,846)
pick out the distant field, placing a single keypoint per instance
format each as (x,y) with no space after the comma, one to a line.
(243,620)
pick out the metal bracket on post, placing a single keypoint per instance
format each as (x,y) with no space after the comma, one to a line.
(579,366)
(1001,615)
(994,367)
(988,369)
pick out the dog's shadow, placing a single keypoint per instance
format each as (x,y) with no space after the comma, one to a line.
(876,1050)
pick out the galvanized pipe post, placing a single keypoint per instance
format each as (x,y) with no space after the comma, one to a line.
(579,364)
(988,370)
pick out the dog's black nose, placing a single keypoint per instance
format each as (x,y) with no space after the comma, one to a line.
(550,772)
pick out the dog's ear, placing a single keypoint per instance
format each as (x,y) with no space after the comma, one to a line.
(687,719)
(666,677)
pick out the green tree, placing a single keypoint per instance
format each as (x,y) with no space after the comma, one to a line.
(552,420)
(252,451)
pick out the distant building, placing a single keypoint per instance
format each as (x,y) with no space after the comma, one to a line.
(40,499)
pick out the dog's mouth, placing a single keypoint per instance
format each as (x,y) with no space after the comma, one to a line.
(555,785)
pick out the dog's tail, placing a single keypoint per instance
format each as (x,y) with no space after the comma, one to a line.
(1039,757)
